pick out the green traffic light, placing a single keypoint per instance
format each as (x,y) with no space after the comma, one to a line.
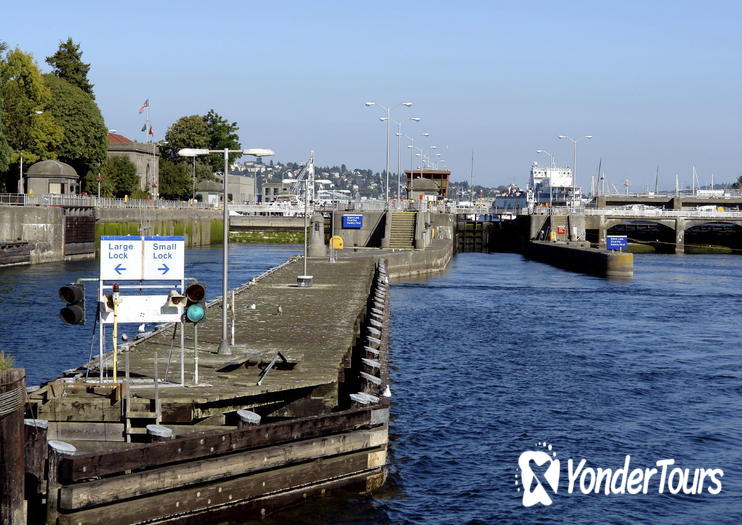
(195,312)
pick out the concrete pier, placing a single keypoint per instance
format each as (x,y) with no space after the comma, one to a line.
(579,257)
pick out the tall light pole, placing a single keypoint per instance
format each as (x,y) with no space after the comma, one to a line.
(193,172)
(574,159)
(552,167)
(399,153)
(255,152)
(388,111)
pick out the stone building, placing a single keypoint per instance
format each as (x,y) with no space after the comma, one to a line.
(241,190)
(146,158)
(52,176)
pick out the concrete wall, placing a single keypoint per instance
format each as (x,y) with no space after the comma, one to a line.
(581,258)
(358,236)
(410,263)
(42,227)
(238,223)
(200,227)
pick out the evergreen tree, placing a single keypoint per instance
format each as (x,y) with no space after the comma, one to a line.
(67,64)
(84,146)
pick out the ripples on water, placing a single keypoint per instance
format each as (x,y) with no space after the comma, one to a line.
(45,346)
(500,353)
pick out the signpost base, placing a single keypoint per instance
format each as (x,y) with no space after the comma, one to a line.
(304,281)
(224,348)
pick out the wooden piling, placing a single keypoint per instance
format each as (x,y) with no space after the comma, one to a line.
(12,440)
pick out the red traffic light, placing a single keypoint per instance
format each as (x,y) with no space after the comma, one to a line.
(195,292)
(71,293)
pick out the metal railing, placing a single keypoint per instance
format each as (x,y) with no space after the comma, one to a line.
(608,212)
(21,199)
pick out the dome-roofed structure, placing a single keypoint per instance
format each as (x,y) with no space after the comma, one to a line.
(52,176)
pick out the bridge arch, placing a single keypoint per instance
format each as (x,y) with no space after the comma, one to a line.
(654,235)
(709,235)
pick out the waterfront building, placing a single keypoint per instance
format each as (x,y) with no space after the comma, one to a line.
(146,158)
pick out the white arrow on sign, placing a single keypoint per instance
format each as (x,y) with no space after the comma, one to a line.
(164,258)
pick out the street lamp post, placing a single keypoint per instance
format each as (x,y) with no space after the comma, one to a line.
(305,280)
(256,152)
(551,165)
(399,153)
(574,160)
(388,111)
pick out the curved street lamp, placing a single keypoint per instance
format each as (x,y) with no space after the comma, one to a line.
(574,160)
(255,152)
(387,120)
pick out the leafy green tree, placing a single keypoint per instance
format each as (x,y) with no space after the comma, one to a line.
(30,129)
(187,132)
(67,64)
(84,145)
(176,180)
(5,150)
(222,134)
(121,175)
(107,185)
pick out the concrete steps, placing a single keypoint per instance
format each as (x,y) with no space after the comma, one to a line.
(402,230)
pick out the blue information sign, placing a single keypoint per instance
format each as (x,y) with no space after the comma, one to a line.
(616,242)
(353,221)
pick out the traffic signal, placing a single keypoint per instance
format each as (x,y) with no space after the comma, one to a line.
(195,309)
(74,296)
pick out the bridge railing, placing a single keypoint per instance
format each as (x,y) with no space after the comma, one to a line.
(21,199)
(607,212)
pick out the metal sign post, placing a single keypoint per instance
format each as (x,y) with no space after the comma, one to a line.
(143,259)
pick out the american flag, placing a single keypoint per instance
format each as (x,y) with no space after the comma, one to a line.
(145,105)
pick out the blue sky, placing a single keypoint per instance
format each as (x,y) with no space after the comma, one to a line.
(655,83)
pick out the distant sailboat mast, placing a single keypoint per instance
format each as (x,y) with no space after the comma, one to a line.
(471,178)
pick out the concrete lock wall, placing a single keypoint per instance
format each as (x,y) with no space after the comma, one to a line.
(358,236)
(41,227)
(200,227)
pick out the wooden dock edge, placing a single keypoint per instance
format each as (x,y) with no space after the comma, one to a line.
(248,471)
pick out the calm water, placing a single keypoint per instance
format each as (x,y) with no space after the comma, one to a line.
(499,354)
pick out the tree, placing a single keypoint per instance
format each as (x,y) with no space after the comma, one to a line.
(84,145)
(67,64)
(120,175)
(31,129)
(737,185)
(187,132)
(5,150)
(222,135)
(176,180)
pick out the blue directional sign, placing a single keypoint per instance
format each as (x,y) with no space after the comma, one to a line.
(120,257)
(353,221)
(616,242)
(135,258)
(164,257)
